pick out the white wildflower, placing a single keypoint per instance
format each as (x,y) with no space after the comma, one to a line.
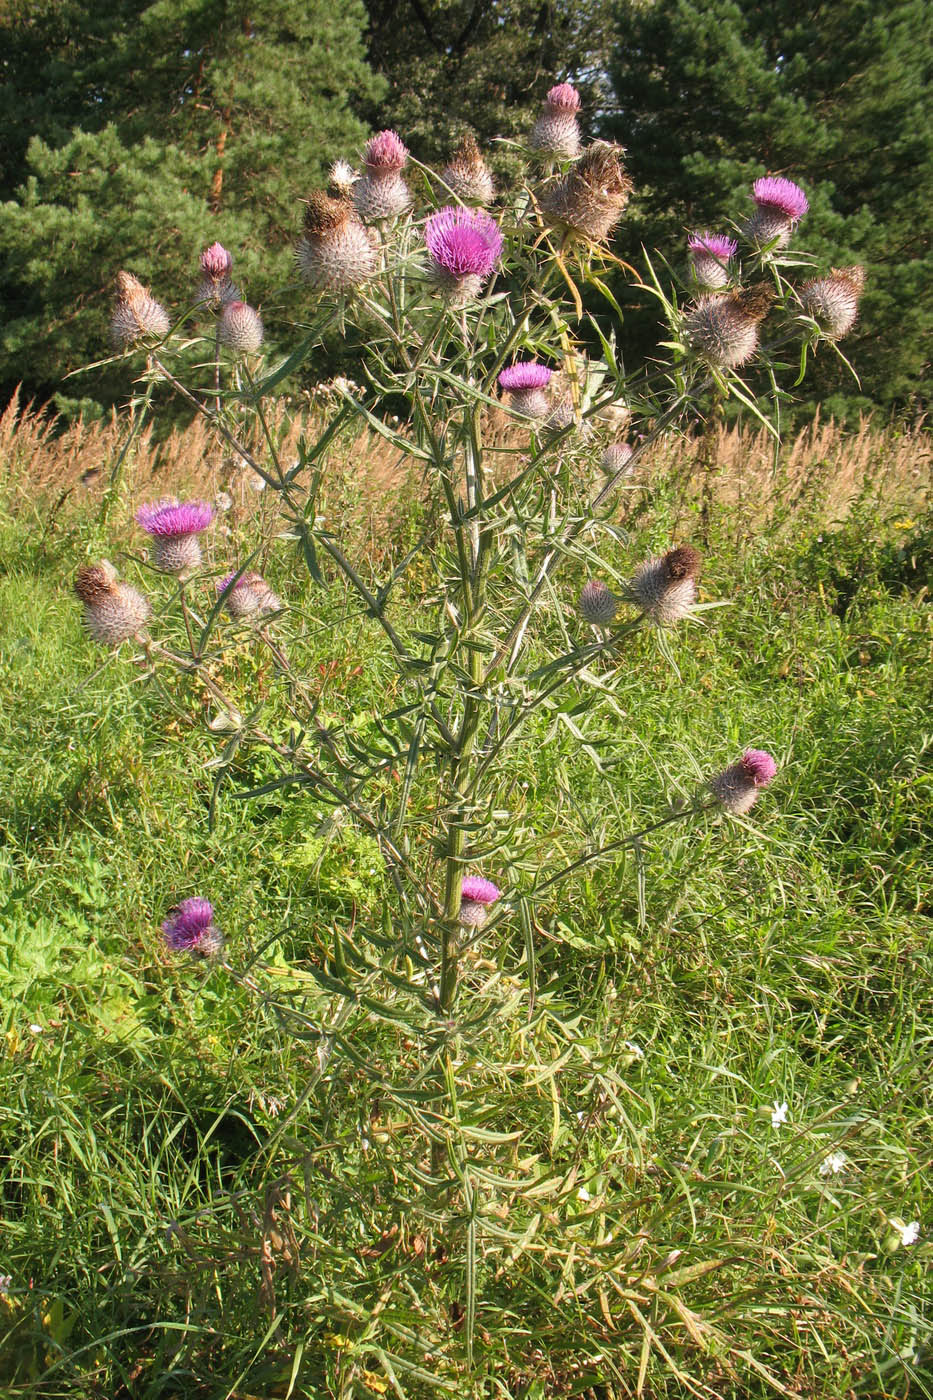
(634,1049)
(833,1164)
(778,1114)
(909,1233)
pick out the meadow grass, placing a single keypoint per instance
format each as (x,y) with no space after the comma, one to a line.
(217,1180)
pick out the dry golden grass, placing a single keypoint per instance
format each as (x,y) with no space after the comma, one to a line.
(820,473)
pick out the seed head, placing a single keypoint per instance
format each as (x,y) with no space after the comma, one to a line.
(240,328)
(336,253)
(113,611)
(467,176)
(737,787)
(464,245)
(665,588)
(724,329)
(174,527)
(590,198)
(833,301)
(710,254)
(556,131)
(189,928)
(382,193)
(525,383)
(136,315)
(597,603)
(249,596)
(779,207)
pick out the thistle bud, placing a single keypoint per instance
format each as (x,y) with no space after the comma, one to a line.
(590,198)
(250,596)
(724,329)
(833,301)
(737,787)
(710,254)
(665,588)
(113,611)
(336,253)
(467,176)
(557,131)
(240,328)
(215,286)
(598,604)
(136,315)
(615,457)
(779,207)
(381,192)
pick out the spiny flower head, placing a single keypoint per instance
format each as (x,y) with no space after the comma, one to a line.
(724,329)
(189,928)
(174,527)
(709,255)
(525,382)
(465,245)
(556,131)
(135,313)
(468,176)
(737,787)
(779,207)
(590,198)
(336,253)
(615,456)
(113,611)
(249,595)
(598,604)
(833,301)
(241,328)
(476,897)
(216,262)
(665,588)
(384,152)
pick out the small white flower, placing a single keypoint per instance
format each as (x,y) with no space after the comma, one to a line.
(909,1233)
(634,1049)
(583,1194)
(5,1281)
(35,1028)
(778,1114)
(833,1164)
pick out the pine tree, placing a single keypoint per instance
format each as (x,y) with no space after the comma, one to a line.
(712,93)
(173,124)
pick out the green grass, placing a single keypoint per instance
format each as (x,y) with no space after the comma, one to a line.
(205,1197)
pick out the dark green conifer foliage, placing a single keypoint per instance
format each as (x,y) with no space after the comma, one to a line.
(141,132)
(712,93)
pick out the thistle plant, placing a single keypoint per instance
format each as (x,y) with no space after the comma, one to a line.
(464,318)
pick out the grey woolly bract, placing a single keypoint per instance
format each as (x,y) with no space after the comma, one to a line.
(598,604)
(116,615)
(338,259)
(240,328)
(381,195)
(721,331)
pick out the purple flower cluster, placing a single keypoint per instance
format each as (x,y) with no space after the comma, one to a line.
(563,97)
(524,375)
(777,193)
(463,242)
(216,262)
(189,928)
(759,765)
(476,897)
(166,518)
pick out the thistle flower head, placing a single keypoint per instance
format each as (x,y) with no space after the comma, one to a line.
(476,897)
(779,207)
(173,518)
(526,382)
(135,313)
(710,254)
(736,788)
(240,328)
(665,588)
(468,176)
(563,98)
(590,198)
(336,253)
(724,329)
(833,301)
(113,611)
(385,152)
(189,928)
(216,262)
(174,527)
(250,595)
(598,604)
(465,245)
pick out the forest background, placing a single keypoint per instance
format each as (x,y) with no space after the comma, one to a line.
(135,134)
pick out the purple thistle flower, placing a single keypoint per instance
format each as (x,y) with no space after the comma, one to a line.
(759,765)
(525,382)
(189,928)
(171,517)
(174,527)
(564,98)
(709,256)
(216,262)
(780,205)
(716,243)
(482,891)
(385,151)
(465,245)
